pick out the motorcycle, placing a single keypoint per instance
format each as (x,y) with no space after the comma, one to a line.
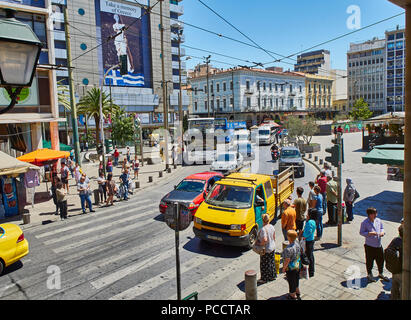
(274,155)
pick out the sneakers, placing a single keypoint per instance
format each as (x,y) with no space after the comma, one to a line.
(370,278)
(384,278)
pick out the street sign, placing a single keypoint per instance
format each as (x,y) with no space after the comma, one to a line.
(171,218)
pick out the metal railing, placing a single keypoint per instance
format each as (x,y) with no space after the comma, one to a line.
(192,296)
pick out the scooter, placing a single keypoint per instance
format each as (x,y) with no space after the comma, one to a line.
(274,155)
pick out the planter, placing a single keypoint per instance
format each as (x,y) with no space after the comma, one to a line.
(315,147)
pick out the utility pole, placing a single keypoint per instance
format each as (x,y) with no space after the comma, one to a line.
(259,99)
(180,97)
(207,61)
(73,106)
(232,90)
(164,84)
(339,177)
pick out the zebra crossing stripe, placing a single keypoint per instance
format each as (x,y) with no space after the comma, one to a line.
(160,279)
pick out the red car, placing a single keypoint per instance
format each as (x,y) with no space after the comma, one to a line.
(191,191)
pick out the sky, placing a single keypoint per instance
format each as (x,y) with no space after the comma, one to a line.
(283,27)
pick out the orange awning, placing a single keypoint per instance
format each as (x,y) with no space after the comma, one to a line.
(40,156)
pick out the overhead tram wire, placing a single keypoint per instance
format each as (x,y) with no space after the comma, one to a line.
(234,27)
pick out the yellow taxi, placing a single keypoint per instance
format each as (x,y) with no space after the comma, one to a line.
(13,245)
(232,212)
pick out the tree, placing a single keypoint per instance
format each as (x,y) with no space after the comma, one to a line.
(89,106)
(360,110)
(301,129)
(123,127)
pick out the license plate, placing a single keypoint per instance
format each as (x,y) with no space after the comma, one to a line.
(215,238)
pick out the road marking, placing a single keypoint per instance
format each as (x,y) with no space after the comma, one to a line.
(98,264)
(102,236)
(115,276)
(160,279)
(87,216)
(99,227)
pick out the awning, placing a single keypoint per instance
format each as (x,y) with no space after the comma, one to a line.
(12,167)
(386,154)
(41,156)
(63,147)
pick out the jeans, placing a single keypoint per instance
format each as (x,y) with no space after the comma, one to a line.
(349,207)
(83,199)
(324,202)
(309,251)
(102,191)
(319,223)
(125,190)
(116,162)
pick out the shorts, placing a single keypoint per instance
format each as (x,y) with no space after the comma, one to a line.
(64,180)
(293,278)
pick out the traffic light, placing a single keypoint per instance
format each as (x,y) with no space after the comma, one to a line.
(100,149)
(335,155)
(123,65)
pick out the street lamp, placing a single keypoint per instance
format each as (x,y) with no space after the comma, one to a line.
(19,52)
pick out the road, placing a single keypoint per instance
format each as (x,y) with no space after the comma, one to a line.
(127,252)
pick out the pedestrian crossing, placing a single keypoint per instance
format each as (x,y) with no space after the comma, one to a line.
(127,252)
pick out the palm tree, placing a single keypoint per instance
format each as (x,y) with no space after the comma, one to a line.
(89,106)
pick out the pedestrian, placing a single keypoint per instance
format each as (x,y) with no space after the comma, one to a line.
(64,174)
(111,189)
(340,130)
(70,165)
(349,198)
(116,155)
(109,166)
(372,230)
(318,200)
(266,238)
(62,200)
(102,189)
(288,218)
(393,263)
(332,200)
(128,154)
(55,180)
(77,173)
(124,178)
(136,167)
(125,164)
(335,132)
(322,183)
(300,208)
(83,187)
(311,195)
(81,146)
(86,145)
(308,236)
(173,154)
(327,169)
(291,265)
(100,167)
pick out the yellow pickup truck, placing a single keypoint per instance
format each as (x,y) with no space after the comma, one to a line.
(232,212)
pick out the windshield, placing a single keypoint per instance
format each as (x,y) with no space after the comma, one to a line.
(191,186)
(230,196)
(225,157)
(264,132)
(2,232)
(290,154)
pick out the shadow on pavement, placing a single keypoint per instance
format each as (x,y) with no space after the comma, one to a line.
(14,267)
(355,284)
(388,203)
(213,249)
(282,297)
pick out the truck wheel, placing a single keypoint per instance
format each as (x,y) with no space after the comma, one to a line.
(252,238)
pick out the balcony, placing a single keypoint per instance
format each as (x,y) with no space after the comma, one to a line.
(174,37)
(390,67)
(248,92)
(174,51)
(179,9)
(176,65)
(176,23)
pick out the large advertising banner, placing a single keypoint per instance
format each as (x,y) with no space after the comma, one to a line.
(34,3)
(130,25)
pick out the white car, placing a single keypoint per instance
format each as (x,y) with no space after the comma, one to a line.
(227,162)
(264,135)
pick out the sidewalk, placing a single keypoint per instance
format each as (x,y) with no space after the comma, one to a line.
(334,264)
(43,211)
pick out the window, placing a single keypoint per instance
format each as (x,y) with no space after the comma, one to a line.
(231,85)
(268,189)
(218,87)
(248,102)
(212,88)
(195,106)
(271,86)
(224,103)
(59,44)
(258,85)
(205,89)
(301,89)
(282,88)
(224,86)
(247,85)
(264,86)
(291,88)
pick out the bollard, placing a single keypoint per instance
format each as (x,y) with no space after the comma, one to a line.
(160,174)
(26,218)
(250,285)
(137,184)
(175,166)
(321,161)
(150,179)
(310,155)
(167,166)
(316,158)
(96,197)
(169,170)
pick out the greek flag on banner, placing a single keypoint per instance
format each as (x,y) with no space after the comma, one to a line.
(130,80)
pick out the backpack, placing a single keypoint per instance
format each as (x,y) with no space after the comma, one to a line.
(392,259)
(356,195)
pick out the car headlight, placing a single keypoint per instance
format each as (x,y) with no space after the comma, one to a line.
(300,163)
(235,227)
(198,220)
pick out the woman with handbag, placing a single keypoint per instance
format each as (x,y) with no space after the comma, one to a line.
(291,266)
(266,239)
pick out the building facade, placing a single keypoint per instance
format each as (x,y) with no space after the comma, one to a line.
(395,69)
(35,117)
(366,74)
(93,25)
(248,94)
(314,62)
(319,98)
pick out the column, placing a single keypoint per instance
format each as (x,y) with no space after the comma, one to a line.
(36,136)
(54,135)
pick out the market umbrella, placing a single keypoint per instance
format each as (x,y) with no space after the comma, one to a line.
(10,166)
(40,157)
(389,154)
(63,147)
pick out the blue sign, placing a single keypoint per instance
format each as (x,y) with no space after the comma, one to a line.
(33,3)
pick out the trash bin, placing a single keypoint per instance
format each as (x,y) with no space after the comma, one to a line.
(26,218)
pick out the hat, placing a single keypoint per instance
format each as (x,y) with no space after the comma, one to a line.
(288,202)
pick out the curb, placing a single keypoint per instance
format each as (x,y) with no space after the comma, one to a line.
(313,163)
